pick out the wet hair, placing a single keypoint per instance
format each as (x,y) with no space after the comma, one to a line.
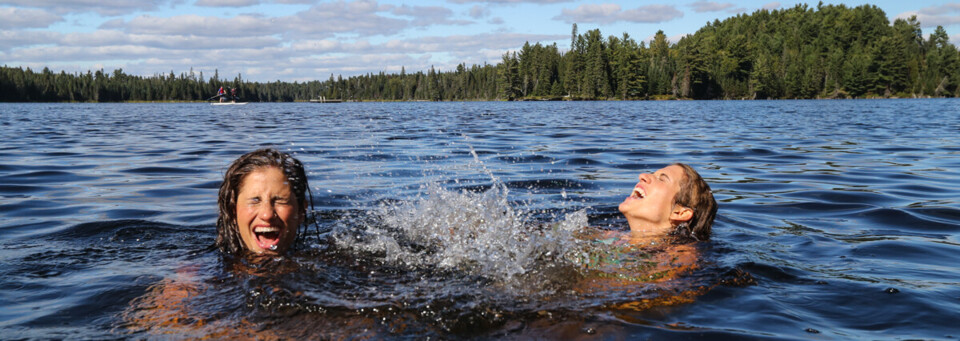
(695,194)
(228,234)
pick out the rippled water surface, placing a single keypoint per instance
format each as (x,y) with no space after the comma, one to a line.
(837,220)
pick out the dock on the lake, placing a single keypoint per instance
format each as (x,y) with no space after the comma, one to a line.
(325,100)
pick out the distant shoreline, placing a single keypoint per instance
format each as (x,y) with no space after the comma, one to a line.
(755,56)
(504,101)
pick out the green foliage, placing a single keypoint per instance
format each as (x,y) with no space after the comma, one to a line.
(508,77)
(830,51)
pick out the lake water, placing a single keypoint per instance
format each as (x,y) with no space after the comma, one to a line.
(837,219)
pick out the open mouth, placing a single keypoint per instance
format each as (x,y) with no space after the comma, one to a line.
(638,193)
(267,237)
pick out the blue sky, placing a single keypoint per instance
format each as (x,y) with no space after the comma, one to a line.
(300,40)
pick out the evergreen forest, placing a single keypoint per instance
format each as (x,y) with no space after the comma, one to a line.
(827,51)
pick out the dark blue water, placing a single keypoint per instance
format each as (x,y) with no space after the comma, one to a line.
(837,220)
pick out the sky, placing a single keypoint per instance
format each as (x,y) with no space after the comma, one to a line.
(303,40)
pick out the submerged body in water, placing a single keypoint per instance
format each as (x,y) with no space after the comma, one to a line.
(467,263)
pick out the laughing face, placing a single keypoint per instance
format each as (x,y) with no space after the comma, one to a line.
(268,212)
(650,208)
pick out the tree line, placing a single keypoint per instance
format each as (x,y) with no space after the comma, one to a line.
(19,85)
(827,51)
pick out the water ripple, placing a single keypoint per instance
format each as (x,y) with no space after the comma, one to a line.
(844,214)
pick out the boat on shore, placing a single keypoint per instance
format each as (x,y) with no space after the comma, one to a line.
(228,103)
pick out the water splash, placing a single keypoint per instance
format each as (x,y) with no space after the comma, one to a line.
(476,232)
(476,159)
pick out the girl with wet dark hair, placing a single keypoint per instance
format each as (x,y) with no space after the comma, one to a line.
(262,203)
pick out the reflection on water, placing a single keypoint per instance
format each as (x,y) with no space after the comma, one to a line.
(837,219)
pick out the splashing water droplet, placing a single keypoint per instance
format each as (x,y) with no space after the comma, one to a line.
(477,232)
(273,247)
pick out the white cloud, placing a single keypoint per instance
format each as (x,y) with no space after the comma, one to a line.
(239,26)
(260,58)
(14,39)
(943,15)
(610,13)
(89,54)
(510,1)
(428,15)
(103,7)
(12,18)
(710,6)
(478,12)
(468,44)
(602,11)
(318,46)
(360,18)
(173,42)
(226,3)
(955,7)
(423,11)
(329,37)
